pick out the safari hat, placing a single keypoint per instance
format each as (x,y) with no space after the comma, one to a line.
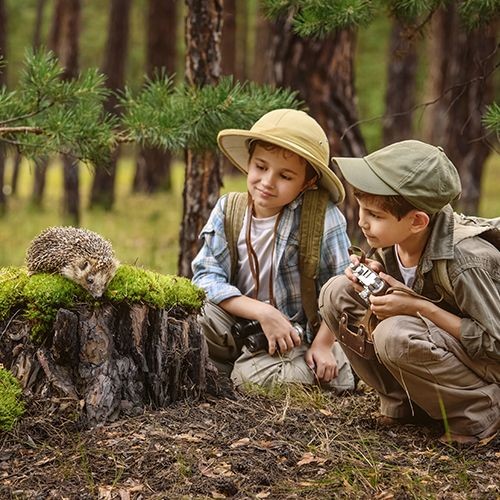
(290,129)
(419,172)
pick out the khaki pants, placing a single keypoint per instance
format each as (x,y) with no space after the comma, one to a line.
(259,367)
(419,362)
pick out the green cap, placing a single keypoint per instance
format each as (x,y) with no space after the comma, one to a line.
(290,129)
(419,172)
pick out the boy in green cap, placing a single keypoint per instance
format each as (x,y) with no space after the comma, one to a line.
(436,350)
(284,155)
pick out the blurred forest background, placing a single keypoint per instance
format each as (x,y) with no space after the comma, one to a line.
(383,73)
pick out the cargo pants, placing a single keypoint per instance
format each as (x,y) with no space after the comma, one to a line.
(259,367)
(419,362)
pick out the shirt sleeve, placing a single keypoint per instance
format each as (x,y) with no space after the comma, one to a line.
(212,266)
(334,256)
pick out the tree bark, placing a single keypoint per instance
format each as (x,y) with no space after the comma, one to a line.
(461,83)
(103,185)
(322,71)
(262,66)
(400,92)
(112,361)
(153,167)
(228,39)
(203,177)
(64,36)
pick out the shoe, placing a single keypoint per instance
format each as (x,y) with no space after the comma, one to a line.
(464,440)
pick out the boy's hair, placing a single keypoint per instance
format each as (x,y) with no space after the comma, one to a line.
(394,204)
(268,146)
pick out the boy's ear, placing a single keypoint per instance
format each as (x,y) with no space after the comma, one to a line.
(420,220)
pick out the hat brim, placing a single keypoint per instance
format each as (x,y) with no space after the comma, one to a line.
(234,144)
(359,174)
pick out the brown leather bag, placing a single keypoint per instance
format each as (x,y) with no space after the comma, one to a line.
(359,338)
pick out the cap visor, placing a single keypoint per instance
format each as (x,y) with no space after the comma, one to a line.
(359,174)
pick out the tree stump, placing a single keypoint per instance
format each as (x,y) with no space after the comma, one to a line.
(112,360)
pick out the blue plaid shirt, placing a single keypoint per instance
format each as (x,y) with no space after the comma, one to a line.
(212,266)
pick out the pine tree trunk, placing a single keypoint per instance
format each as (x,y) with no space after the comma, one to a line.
(112,361)
(203,170)
(68,57)
(103,185)
(261,68)
(153,167)
(322,70)
(400,92)
(461,82)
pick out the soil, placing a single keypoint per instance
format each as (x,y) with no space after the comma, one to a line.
(292,444)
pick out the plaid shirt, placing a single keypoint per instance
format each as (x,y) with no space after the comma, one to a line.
(212,266)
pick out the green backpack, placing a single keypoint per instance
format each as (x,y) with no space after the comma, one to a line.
(310,235)
(465,227)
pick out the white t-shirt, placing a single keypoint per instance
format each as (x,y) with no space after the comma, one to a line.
(262,238)
(408,273)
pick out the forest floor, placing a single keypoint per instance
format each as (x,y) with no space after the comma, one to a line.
(286,445)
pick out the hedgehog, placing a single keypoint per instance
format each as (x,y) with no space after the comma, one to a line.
(78,254)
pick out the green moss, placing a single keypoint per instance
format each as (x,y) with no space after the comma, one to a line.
(132,284)
(40,296)
(12,282)
(11,405)
(44,294)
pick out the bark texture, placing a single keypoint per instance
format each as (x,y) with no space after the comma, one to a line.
(401,84)
(111,361)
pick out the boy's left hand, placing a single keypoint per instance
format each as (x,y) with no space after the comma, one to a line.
(322,362)
(394,303)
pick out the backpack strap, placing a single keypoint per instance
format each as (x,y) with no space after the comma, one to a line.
(312,221)
(234,214)
(441,280)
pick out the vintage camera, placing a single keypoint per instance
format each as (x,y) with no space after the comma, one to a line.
(250,334)
(371,282)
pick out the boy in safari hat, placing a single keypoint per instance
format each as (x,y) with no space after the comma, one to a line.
(436,351)
(284,155)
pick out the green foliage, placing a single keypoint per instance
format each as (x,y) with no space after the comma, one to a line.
(475,13)
(11,405)
(48,114)
(132,284)
(491,118)
(412,10)
(41,295)
(321,17)
(183,116)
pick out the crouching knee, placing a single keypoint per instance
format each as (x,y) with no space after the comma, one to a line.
(391,338)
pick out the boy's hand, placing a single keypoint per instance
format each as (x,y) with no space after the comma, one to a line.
(322,362)
(279,332)
(394,303)
(374,265)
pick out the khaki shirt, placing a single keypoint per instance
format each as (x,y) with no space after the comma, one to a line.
(474,271)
